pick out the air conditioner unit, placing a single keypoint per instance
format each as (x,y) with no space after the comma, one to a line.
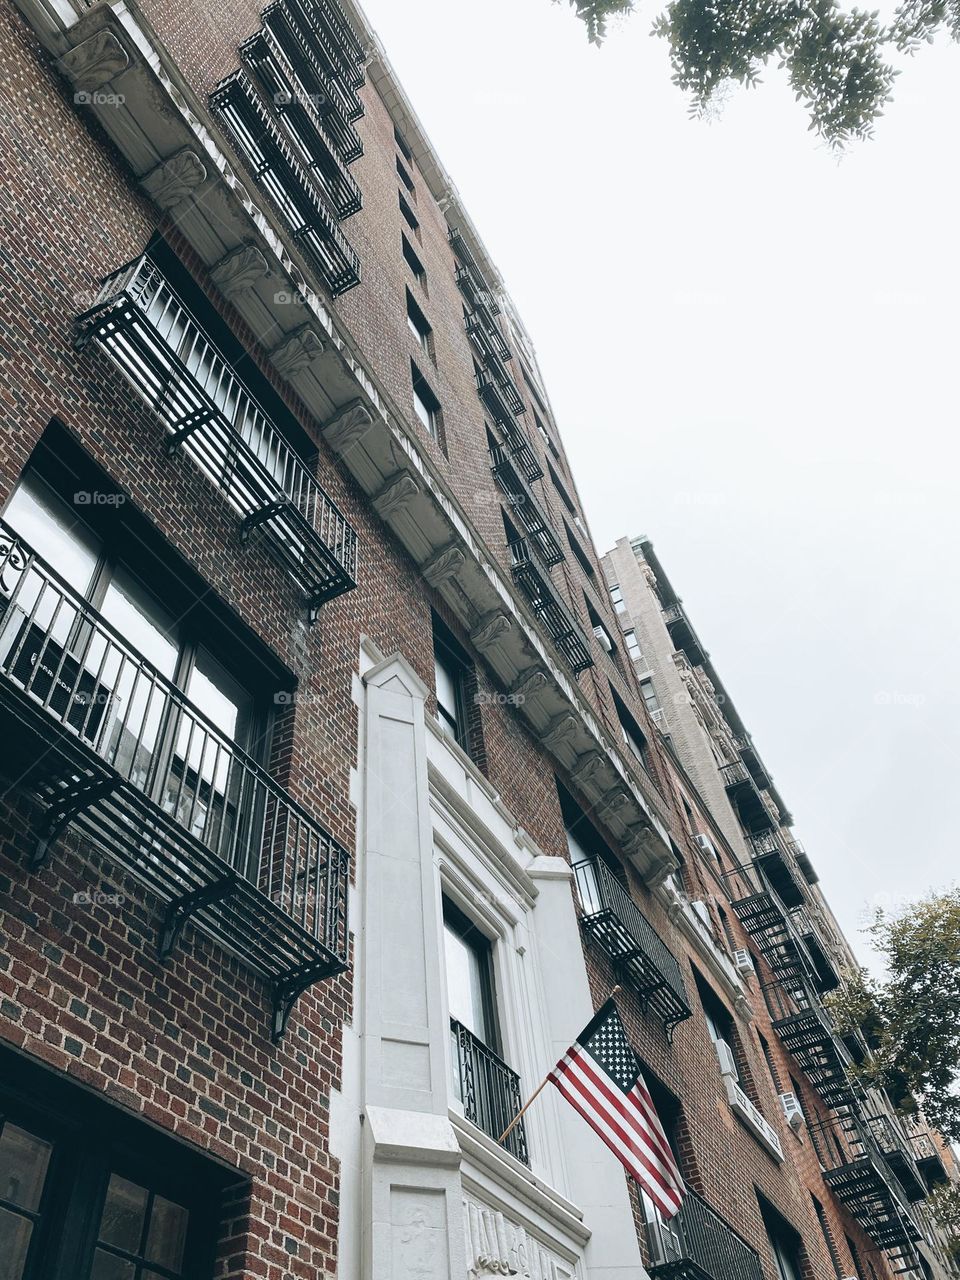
(743,962)
(728,1063)
(605,641)
(792,1110)
(705,845)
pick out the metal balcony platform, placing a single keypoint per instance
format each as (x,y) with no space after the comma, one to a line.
(805,1034)
(111,748)
(697,1244)
(765,918)
(208,413)
(299,199)
(779,867)
(263,55)
(643,960)
(533,579)
(524,506)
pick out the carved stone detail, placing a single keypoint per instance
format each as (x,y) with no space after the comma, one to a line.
(297,351)
(612,801)
(563,728)
(174,181)
(94,62)
(587,767)
(239,270)
(395,495)
(443,566)
(529,685)
(496,1246)
(489,631)
(347,426)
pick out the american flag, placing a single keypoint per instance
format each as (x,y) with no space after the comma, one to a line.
(600,1076)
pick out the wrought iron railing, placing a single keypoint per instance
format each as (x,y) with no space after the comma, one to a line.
(754,809)
(855,1169)
(314,77)
(305,123)
(698,1244)
(300,201)
(898,1153)
(533,579)
(517,443)
(338,40)
(644,960)
(770,852)
(807,1031)
(488,1090)
(123,754)
(525,506)
(208,412)
(306,17)
(471,267)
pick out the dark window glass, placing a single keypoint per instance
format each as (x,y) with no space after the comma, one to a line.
(469,968)
(451,668)
(425,403)
(411,259)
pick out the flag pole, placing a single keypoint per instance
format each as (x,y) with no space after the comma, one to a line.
(533,1097)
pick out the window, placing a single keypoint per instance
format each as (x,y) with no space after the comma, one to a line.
(186,763)
(425,403)
(827,1236)
(722,1028)
(419,325)
(650,697)
(586,845)
(785,1244)
(412,261)
(599,628)
(633,735)
(451,669)
(88,1195)
(405,178)
(633,645)
(402,145)
(561,489)
(409,217)
(578,552)
(468,958)
(616,595)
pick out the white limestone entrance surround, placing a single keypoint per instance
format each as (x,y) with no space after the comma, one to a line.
(424,1194)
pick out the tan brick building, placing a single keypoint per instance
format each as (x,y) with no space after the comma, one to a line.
(333,806)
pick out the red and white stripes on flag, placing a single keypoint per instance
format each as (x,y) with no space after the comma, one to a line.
(600,1077)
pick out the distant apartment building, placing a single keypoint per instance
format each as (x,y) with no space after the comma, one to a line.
(334,801)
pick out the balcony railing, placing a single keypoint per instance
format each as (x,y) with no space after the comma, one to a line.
(470,266)
(683,634)
(643,959)
(206,410)
(488,1090)
(749,801)
(765,917)
(697,1244)
(806,1031)
(819,949)
(533,579)
(899,1155)
(480,324)
(338,40)
(299,199)
(771,854)
(344,78)
(929,1157)
(111,746)
(856,1171)
(513,432)
(525,506)
(314,77)
(306,125)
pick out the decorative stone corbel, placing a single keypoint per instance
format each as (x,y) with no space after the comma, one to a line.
(239,270)
(613,801)
(587,767)
(561,730)
(489,630)
(175,180)
(443,566)
(94,62)
(348,425)
(297,351)
(395,495)
(529,685)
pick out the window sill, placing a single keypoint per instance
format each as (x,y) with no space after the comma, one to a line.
(751,1118)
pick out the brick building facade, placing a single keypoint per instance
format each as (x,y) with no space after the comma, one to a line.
(333,803)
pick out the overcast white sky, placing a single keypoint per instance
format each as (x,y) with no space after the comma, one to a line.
(752,353)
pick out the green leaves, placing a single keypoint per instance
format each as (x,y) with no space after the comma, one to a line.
(912,1019)
(837,60)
